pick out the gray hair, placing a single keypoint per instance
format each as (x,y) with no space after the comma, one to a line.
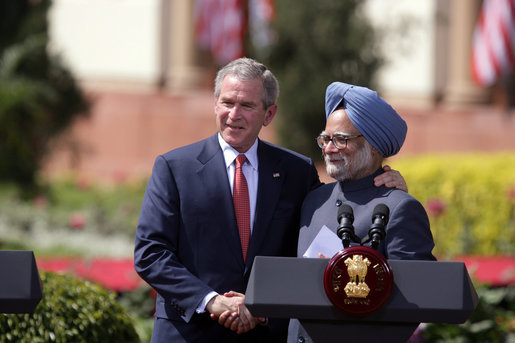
(248,69)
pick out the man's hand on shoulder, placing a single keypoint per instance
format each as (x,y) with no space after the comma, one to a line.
(391,179)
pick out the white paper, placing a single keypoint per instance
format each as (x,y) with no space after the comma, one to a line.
(325,242)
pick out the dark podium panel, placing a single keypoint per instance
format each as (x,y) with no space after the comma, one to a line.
(20,284)
(423,291)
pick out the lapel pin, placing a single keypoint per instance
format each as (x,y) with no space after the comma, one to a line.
(276,175)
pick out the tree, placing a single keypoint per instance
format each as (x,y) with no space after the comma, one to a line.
(39,97)
(318,42)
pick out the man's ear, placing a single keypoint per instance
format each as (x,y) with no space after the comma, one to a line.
(215,99)
(270,114)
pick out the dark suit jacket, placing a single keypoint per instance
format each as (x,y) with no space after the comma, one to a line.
(187,241)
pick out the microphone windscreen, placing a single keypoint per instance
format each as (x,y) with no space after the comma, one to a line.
(345,211)
(382,210)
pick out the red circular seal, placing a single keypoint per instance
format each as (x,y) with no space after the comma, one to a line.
(358,280)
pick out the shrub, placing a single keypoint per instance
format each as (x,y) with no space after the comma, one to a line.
(492,321)
(470,200)
(72,310)
(141,303)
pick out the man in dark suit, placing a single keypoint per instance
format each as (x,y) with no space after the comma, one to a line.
(188,244)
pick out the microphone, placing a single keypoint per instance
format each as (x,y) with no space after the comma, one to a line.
(346,230)
(377,231)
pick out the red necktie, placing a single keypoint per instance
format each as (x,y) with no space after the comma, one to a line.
(240,197)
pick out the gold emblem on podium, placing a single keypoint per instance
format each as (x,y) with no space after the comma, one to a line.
(357,268)
(358,280)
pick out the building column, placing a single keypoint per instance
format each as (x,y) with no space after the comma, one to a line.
(461,89)
(179,71)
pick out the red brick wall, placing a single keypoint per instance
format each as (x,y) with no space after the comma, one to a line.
(126,131)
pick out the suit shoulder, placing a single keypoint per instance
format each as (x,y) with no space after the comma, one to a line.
(399,195)
(398,199)
(185,150)
(180,150)
(284,153)
(183,158)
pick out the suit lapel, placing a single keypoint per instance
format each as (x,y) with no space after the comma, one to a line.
(271,178)
(213,175)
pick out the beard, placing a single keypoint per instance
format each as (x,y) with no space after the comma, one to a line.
(350,168)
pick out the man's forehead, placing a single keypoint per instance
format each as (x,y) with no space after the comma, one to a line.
(232,78)
(340,122)
(336,133)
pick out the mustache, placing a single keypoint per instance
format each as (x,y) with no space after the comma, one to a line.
(329,158)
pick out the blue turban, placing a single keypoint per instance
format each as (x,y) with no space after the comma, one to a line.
(383,128)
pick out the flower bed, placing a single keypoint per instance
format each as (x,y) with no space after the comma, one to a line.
(119,274)
(492,270)
(115,274)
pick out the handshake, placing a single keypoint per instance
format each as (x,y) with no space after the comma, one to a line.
(230,311)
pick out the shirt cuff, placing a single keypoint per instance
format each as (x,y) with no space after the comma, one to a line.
(201,308)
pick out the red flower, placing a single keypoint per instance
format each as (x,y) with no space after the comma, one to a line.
(511,193)
(435,207)
(77,220)
(40,202)
(83,183)
(119,176)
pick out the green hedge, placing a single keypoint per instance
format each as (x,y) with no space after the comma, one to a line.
(72,310)
(492,321)
(470,200)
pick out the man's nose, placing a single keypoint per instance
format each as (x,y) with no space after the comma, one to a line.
(330,148)
(235,113)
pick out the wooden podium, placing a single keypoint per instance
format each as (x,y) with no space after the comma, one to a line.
(20,284)
(423,291)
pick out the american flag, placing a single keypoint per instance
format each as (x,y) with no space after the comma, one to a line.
(261,15)
(220,28)
(494,41)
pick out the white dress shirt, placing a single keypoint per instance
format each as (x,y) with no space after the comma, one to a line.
(250,170)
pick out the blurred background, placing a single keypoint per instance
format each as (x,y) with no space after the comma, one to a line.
(149,66)
(91,91)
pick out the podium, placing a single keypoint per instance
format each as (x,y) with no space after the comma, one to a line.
(423,291)
(20,284)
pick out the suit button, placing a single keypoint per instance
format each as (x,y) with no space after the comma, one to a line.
(301,339)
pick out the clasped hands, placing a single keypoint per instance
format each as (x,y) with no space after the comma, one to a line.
(230,311)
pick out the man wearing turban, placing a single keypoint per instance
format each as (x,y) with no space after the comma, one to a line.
(361,130)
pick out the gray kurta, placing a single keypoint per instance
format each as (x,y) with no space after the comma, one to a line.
(408,236)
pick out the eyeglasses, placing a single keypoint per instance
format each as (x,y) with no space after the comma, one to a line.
(339,140)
